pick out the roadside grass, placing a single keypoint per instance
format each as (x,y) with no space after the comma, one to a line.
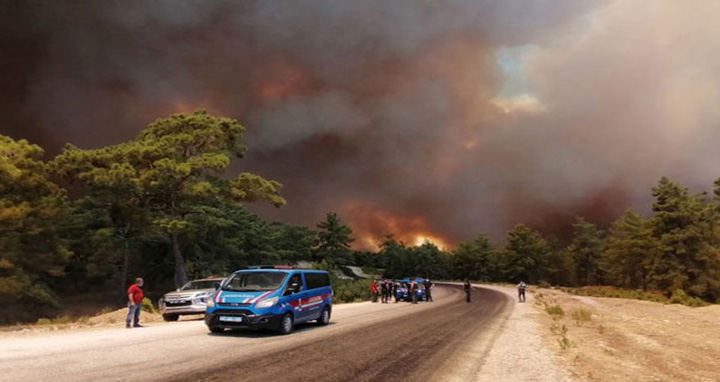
(556,311)
(557,327)
(678,297)
(581,316)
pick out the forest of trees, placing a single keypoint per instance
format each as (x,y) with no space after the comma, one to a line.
(163,207)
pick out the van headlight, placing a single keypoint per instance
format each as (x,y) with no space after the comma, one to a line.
(267,303)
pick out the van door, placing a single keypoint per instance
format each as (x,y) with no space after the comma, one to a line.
(294,294)
(314,302)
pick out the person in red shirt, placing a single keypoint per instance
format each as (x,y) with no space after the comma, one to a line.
(135,298)
(374,291)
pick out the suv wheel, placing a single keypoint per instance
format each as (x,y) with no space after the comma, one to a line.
(286,324)
(324,317)
(216,330)
(171,317)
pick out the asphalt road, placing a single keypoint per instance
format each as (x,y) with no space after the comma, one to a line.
(443,340)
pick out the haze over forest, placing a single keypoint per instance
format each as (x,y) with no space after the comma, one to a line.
(436,120)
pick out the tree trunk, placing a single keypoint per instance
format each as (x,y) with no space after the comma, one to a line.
(124,271)
(180,273)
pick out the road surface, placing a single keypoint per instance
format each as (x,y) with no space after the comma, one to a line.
(444,340)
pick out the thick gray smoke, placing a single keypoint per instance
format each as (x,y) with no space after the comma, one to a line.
(422,118)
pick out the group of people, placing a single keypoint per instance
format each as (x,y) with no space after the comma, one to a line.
(387,289)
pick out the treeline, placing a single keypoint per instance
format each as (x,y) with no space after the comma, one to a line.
(162,207)
(676,249)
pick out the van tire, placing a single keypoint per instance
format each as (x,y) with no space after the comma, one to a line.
(286,324)
(171,317)
(216,330)
(324,317)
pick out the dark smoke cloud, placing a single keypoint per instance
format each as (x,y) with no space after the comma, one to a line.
(393,113)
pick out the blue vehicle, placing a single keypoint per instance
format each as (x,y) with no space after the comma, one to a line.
(402,290)
(275,299)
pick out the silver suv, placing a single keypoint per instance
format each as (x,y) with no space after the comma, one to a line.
(190,299)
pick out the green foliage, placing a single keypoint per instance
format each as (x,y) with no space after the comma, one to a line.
(555,310)
(586,250)
(334,241)
(147,306)
(612,292)
(680,297)
(471,260)
(351,290)
(581,316)
(626,261)
(173,165)
(33,253)
(526,255)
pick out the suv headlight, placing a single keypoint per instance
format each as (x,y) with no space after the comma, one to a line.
(267,303)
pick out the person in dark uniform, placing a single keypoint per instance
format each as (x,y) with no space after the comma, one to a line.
(467,288)
(385,296)
(428,290)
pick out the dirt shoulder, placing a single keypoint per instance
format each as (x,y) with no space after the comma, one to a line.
(608,339)
(520,351)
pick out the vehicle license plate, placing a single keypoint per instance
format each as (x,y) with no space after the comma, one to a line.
(231,319)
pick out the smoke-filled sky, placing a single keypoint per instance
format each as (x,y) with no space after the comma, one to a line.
(427,119)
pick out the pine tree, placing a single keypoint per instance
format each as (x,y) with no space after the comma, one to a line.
(471,259)
(173,166)
(526,255)
(586,249)
(686,257)
(630,245)
(334,241)
(32,251)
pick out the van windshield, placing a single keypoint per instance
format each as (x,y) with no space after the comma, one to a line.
(255,281)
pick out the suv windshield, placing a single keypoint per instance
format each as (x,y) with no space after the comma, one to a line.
(202,284)
(255,281)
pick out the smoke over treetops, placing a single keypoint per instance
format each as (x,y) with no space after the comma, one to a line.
(420,118)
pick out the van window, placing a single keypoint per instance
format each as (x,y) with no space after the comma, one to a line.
(255,281)
(317,280)
(295,279)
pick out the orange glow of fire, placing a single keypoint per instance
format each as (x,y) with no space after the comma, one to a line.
(281,80)
(371,224)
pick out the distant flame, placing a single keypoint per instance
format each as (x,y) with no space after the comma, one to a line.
(281,80)
(371,224)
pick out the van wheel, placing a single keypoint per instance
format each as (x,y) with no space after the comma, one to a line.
(171,317)
(324,317)
(216,330)
(286,324)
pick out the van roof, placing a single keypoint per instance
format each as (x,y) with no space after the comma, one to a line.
(281,270)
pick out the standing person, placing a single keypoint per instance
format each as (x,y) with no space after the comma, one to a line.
(135,298)
(521,291)
(383,291)
(395,291)
(428,290)
(467,288)
(414,291)
(388,289)
(374,291)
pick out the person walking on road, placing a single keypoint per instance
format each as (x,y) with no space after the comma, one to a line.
(467,288)
(428,290)
(135,298)
(521,291)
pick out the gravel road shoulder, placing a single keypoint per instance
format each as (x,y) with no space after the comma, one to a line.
(521,352)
